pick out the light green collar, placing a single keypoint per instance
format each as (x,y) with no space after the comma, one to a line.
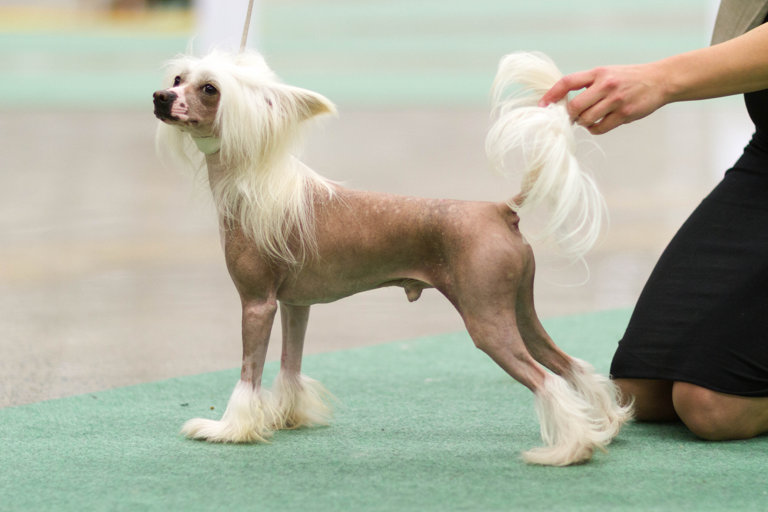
(208,145)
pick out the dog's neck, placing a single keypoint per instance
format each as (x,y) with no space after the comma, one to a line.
(208,145)
(215,167)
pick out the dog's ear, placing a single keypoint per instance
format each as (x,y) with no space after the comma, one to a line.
(259,124)
(307,104)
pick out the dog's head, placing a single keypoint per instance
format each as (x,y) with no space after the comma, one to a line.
(234,105)
(234,108)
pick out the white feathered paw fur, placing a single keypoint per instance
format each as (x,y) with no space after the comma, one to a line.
(577,417)
(253,414)
(300,402)
(249,418)
(604,396)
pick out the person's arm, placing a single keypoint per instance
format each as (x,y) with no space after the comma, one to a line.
(616,95)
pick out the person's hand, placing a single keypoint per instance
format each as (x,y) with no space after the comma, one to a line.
(614,95)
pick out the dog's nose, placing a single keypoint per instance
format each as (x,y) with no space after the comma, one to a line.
(164,97)
(163,102)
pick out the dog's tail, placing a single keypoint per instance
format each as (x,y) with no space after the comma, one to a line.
(546,139)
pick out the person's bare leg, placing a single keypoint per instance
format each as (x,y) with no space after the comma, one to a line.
(718,416)
(653,398)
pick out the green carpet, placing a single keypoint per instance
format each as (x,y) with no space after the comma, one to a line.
(427,424)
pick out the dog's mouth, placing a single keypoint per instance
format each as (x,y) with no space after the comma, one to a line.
(165,116)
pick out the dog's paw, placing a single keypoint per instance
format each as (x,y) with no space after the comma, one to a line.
(610,411)
(249,418)
(301,402)
(568,429)
(562,455)
(224,431)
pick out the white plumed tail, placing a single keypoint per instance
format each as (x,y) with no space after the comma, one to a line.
(551,175)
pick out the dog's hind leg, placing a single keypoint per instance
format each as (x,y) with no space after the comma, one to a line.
(300,400)
(599,391)
(566,430)
(250,413)
(485,292)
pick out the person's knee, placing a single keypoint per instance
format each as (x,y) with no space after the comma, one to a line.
(652,399)
(705,412)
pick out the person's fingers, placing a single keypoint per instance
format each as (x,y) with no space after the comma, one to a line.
(606,124)
(611,96)
(596,107)
(562,87)
(589,106)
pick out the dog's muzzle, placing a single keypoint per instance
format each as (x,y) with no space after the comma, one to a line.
(164,103)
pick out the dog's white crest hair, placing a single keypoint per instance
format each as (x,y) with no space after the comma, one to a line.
(551,174)
(265,188)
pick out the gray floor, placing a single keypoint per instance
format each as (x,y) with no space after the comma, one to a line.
(110,268)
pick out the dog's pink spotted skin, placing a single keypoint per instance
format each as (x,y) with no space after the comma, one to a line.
(367,240)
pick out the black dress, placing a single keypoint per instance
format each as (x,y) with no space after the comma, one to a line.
(702,317)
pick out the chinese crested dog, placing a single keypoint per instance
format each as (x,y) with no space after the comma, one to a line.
(293,238)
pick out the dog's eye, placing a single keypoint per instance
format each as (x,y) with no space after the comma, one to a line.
(209,89)
(176,81)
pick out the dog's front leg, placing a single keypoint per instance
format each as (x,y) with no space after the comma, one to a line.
(250,415)
(301,401)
